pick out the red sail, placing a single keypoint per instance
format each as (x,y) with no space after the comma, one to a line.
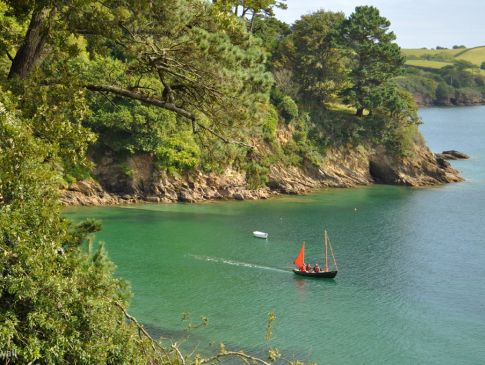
(300,259)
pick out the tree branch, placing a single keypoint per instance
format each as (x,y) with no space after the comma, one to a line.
(142,329)
(9,55)
(143,98)
(238,354)
(179,354)
(225,140)
(162,104)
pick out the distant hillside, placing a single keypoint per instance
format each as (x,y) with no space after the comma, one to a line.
(438,58)
(474,55)
(445,76)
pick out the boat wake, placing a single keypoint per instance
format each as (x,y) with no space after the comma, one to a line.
(236,263)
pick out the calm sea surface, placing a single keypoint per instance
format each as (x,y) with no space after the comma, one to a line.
(411,285)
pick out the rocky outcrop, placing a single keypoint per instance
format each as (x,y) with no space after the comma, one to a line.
(460,97)
(137,180)
(452,155)
(142,183)
(422,168)
(342,167)
(90,192)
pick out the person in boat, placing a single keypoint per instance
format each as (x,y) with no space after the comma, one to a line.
(316,268)
(308,268)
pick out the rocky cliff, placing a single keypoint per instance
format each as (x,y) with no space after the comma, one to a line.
(137,180)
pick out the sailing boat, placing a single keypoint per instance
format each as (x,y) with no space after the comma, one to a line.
(325,273)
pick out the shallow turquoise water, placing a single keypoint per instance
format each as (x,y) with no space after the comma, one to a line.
(411,285)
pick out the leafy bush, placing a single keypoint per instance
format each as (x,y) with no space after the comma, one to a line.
(444,92)
(178,152)
(58,300)
(288,108)
(257,173)
(270,121)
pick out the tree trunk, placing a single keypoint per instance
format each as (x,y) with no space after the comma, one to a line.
(360,112)
(34,42)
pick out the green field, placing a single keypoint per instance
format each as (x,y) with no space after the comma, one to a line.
(422,52)
(438,58)
(473,55)
(427,64)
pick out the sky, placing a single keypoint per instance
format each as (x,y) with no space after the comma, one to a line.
(417,23)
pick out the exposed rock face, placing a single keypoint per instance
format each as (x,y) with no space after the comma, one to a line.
(423,169)
(137,180)
(341,168)
(144,183)
(88,192)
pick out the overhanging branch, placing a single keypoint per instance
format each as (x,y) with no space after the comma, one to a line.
(143,98)
(161,104)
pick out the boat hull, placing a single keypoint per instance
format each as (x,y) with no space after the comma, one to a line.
(258,234)
(320,275)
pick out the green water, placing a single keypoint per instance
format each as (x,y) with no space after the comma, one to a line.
(411,285)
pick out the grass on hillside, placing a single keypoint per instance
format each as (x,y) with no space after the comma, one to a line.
(427,64)
(473,55)
(420,52)
(439,58)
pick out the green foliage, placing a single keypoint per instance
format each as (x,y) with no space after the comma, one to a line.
(178,152)
(375,56)
(482,66)
(272,32)
(12,30)
(457,76)
(457,83)
(319,66)
(302,147)
(288,108)
(270,122)
(57,299)
(398,135)
(257,172)
(418,84)
(464,65)
(56,114)
(336,127)
(444,93)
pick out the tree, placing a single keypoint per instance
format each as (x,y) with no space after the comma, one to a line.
(318,65)
(186,57)
(272,33)
(375,57)
(59,301)
(252,9)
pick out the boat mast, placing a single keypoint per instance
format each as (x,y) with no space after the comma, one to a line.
(326,252)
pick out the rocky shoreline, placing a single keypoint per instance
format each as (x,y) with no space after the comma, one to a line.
(428,101)
(342,168)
